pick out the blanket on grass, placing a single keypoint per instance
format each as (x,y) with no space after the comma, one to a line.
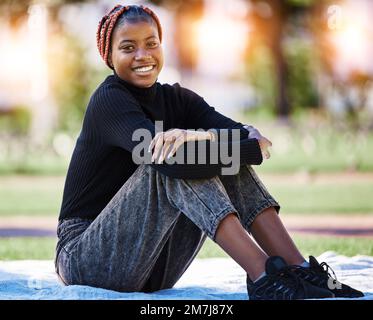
(205,279)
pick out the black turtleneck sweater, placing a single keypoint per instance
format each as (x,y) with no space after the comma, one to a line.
(102,159)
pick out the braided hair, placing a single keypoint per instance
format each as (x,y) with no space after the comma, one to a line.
(116,17)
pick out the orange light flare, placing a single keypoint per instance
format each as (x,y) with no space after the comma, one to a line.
(352,41)
(221,40)
(23,55)
(14,56)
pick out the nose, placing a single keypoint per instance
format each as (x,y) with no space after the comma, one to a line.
(142,54)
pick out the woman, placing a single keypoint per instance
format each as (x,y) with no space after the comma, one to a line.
(131,226)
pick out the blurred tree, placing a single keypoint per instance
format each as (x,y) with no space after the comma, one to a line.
(186,13)
(348,89)
(273,21)
(70,78)
(17,9)
(16,121)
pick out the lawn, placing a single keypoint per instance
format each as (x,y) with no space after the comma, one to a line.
(43,248)
(38,248)
(22,195)
(334,197)
(41,196)
(309,245)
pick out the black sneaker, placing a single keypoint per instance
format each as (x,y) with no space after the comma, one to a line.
(318,275)
(281,283)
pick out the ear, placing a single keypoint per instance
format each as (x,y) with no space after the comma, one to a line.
(109,60)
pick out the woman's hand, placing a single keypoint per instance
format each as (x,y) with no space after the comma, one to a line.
(167,143)
(264,143)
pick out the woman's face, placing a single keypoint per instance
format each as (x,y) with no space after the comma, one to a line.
(136,53)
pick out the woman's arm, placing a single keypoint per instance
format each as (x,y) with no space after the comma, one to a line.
(117,115)
(199,114)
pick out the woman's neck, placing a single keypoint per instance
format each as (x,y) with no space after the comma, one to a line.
(143,95)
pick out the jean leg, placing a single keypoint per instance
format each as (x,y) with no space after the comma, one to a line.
(121,246)
(181,248)
(248,195)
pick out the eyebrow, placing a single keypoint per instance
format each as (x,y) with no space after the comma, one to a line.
(133,41)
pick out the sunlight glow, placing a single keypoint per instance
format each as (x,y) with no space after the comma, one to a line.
(352,46)
(221,42)
(23,61)
(37,26)
(14,61)
(352,40)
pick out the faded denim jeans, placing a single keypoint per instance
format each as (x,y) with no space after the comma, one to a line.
(152,229)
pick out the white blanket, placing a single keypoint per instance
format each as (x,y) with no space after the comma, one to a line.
(218,279)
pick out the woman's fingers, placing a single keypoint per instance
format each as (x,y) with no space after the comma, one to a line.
(176,145)
(268,141)
(172,141)
(165,144)
(154,141)
(162,146)
(157,147)
(165,150)
(266,154)
(264,144)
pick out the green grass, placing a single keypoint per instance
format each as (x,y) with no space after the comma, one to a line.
(346,198)
(308,245)
(43,248)
(38,248)
(41,196)
(29,202)
(314,143)
(315,245)
(30,196)
(34,165)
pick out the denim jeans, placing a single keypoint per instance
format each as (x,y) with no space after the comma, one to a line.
(152,229)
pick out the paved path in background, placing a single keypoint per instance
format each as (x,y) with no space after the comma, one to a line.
(326,224)
(330,225)
(28,227)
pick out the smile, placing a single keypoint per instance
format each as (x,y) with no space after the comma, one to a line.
(144,69)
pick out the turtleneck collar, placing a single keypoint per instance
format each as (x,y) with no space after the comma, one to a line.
(143,95)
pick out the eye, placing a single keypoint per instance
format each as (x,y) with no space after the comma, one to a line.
(128,48)
(152,44)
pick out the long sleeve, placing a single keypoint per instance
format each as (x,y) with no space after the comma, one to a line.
(103,156)
(199,114)
(117,115)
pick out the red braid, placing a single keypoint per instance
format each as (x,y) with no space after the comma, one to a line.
(106,27)
(110,27)
(100,32)
(154,16)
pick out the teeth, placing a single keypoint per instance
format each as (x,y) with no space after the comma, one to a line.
(144,69)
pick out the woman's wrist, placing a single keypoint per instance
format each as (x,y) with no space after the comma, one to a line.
(210,136)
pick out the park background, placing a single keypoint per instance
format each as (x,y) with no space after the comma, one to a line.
(298,70)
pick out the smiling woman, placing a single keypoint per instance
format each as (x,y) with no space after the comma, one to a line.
(130,43)
(132,226)
(136,56)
